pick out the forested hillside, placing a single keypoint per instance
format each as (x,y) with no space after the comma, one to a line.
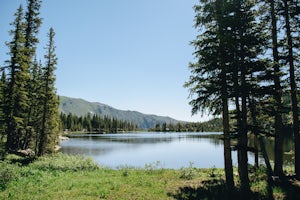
(80,107)
(94,124)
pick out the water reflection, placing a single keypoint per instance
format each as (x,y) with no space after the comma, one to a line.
(288,147)
(173,150)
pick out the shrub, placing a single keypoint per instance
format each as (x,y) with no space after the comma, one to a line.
(65,162)
(153,167)
(188,173)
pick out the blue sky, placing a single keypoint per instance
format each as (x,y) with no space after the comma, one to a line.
(132,55)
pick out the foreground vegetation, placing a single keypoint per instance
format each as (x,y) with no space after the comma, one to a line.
(73,177)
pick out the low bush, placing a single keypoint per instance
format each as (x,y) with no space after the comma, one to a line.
(64,162)
(188,173)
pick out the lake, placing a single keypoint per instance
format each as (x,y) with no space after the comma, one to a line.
(170,150)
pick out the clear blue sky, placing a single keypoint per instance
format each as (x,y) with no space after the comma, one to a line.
(132,55)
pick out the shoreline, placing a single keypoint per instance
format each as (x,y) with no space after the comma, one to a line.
(61,138)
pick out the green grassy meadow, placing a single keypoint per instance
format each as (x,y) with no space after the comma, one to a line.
(74,177)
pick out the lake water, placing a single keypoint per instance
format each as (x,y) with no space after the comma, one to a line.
(171,150)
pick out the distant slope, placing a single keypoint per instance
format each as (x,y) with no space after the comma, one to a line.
(81,107)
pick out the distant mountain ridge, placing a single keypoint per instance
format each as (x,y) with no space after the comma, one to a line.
(81,107)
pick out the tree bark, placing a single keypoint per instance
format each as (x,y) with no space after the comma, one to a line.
(293,89)
(278,161)
(263,150)
(227,146)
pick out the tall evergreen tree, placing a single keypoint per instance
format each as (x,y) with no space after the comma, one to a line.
(278,161)
(228,53)
(16,95)
(50,123)
(247,41)
(209,81)
(32,22)
(36,107)
(290,17)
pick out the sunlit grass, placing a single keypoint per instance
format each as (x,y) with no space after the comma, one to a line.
(75,177)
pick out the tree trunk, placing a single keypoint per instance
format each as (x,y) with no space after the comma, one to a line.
(243,141)
(263,150)
(278,161)
(293,89)
(227,147)
(225,113)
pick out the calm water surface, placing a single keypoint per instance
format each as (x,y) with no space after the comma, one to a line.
(171,150)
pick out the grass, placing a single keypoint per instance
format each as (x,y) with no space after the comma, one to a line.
(74,177)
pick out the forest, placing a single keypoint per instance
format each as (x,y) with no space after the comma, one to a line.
(213,125)
(29,117)
(94,124)
(246,60)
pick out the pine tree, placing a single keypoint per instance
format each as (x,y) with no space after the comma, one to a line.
(33,22)
(278,162)
(36,98)
(229,67)
(16,95)
(209,81)
(289,18)
(50,123)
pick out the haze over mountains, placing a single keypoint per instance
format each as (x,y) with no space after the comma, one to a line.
(81,107)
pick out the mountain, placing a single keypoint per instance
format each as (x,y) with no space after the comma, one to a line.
(81,107)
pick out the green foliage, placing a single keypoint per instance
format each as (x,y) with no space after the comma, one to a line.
(155,167)
(16,99)
(95,123)
(60,176)
(188,173)
(232,64)
(29,105)
(32,121)
(8,172)
(213,125)
(63,162)
(2,104)
(50,121)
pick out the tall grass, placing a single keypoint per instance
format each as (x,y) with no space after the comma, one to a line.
(8,172)
(63,162)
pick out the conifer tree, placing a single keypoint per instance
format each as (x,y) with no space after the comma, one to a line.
(36,110)
(16,95)
(209,81)
(290,19)
(247,43)
(228,52)
(277,92)
(32,22)
(50,124)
